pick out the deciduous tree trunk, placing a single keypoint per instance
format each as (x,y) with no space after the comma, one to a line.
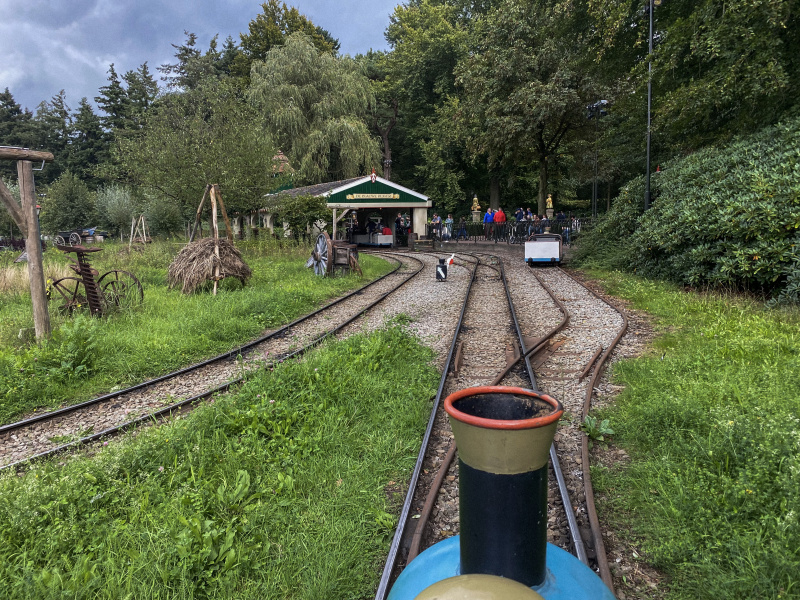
(542,185)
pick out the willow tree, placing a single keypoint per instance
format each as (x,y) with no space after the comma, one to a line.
(316,106)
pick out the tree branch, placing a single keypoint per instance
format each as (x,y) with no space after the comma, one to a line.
(13,208)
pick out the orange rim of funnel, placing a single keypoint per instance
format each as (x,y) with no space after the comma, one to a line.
(554,416)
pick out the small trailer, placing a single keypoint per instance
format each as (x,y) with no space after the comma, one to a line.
(543,248)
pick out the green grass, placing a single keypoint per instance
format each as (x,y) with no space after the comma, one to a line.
(171,329)
(710,419)
(286,489)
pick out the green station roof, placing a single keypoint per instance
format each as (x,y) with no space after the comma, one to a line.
(382,193)
(362,192)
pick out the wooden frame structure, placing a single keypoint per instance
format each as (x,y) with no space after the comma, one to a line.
(213,192)
(28,222)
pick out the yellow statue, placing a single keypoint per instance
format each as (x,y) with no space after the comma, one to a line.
(549,201)
(475,205)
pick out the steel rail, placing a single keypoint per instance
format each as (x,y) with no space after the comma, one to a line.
(430,499)
(221,388)
(391,560)
(572,521)
(225,356)
(591,510)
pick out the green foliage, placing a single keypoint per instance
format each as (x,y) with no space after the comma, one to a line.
(596,431)
(67,358)
(728,216)
(167,332)
(710,422)
(315,107)
(271,28)
(68,205)
(297,211)
(525,89)
(279,490)
(116,207)
(207,135)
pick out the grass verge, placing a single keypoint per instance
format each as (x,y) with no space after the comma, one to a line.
(276,491)
(170,330)
(710,420)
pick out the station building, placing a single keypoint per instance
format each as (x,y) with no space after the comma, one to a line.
(357,202)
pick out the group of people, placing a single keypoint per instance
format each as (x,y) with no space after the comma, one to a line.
(494,223)
(444,230)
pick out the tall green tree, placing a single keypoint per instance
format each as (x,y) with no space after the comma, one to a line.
(88,146)
(719,67)
(142,91)
(68,204)
(206,135)
(114,102)
(194,67)
(525,87)
(16,129)
(316,106)
(271,28)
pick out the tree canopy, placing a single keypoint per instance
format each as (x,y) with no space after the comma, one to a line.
(315,106)
(205,135)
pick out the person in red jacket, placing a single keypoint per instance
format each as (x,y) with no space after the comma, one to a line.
(499,225)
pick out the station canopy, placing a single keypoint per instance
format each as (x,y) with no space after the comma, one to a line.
(364,192)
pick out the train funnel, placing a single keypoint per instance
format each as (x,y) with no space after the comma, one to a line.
(503,435)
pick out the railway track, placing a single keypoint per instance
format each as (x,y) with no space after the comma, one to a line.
(508,314)
(489,323)
(49,433)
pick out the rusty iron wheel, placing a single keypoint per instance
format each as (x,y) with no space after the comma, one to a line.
(71,294)
(121,289)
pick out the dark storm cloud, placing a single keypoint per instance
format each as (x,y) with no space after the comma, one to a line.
(49,45)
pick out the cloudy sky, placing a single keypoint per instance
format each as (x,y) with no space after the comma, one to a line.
(49,45)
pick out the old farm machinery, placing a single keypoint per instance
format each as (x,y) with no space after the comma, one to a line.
(113,289)
(328,256)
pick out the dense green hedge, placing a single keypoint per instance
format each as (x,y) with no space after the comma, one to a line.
(722,216)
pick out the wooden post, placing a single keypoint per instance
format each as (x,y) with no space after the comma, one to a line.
(215,231)
(133,228)
(33,245)
(228,229)
(197,216)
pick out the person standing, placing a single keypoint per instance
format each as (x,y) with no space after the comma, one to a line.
(499,224)
(462,229)
(488,219)
(436,225)
(448,227)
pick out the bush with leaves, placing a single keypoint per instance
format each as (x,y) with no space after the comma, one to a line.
(722,216)
(116,207)
(68,205)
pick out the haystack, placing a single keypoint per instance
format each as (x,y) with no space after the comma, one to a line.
(195,264)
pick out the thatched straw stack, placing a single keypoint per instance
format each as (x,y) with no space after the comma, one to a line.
(195,264)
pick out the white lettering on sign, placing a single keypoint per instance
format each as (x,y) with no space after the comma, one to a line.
(373,196)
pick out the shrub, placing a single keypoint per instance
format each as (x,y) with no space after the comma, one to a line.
(722,216)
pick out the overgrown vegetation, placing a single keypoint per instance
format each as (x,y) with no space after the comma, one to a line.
(710,420)
(169,331)
(279,491)
(723,216)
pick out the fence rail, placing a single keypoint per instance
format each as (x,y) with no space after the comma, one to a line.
(510,232)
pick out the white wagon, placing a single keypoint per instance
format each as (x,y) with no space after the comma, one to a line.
(543,248)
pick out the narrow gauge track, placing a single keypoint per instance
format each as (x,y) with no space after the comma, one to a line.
(483,345)
(39,436)
(485,350)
